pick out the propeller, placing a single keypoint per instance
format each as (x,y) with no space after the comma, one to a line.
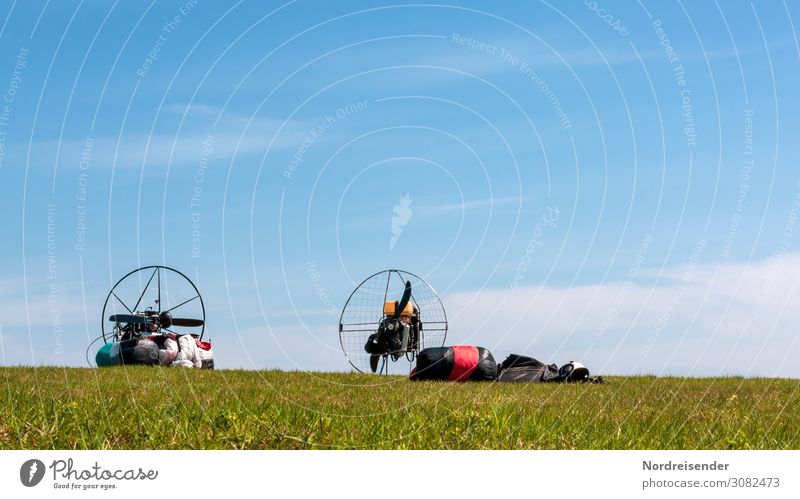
(164,320)
(177,321)
(131,319)
(373,361)
(403,301)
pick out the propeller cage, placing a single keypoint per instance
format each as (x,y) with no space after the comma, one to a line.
(376,327)
(151,300)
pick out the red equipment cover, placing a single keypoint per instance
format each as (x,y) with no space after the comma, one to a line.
(465,360)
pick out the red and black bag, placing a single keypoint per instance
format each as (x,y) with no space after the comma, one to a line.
(457,363)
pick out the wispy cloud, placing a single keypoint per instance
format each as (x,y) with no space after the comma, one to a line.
(309,348)
(229,134)
(45,305)
(503,53)
(708,320)
(474,204)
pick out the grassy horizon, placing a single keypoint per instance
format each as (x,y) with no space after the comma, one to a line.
(157,408)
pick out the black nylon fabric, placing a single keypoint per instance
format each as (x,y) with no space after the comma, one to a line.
(136,351)
(434,364)
(487,367)
(437,364)
(520,369)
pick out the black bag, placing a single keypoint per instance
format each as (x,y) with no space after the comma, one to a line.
(138,351)
(518,369)
(521,369)
(458,363)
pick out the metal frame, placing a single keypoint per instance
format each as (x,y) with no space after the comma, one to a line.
(400,274)
(157,272)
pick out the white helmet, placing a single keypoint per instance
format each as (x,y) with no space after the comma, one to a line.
(573,371)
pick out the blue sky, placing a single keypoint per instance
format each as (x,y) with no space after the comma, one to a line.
(604,181)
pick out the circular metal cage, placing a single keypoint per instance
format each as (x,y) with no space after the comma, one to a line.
(364,310)
(154,289)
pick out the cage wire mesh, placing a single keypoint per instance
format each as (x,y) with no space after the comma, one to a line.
(364,310)
(142,289)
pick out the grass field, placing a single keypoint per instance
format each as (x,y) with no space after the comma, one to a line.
(156,408)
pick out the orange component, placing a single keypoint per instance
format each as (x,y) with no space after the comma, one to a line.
(389,308)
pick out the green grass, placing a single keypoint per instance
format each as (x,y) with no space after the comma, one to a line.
(157,408)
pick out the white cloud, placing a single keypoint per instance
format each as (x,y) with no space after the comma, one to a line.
(44,306)
(176,150)
(230,134)
(433,209)
(707,320)
(309,348)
